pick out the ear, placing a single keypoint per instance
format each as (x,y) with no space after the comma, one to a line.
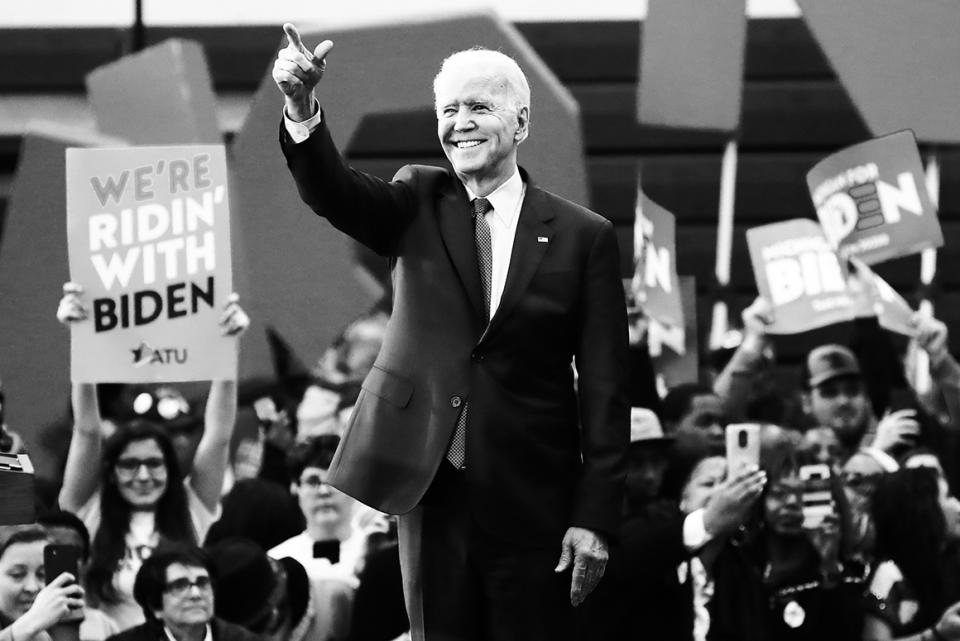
(294,489)
(523,125)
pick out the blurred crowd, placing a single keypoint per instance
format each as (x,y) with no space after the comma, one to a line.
(187,527)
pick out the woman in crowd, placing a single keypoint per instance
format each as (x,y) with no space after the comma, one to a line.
(28,605)
(780,578)
(128,490)
(915,589)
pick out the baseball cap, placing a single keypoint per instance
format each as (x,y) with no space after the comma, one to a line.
(830,361)
(645,427)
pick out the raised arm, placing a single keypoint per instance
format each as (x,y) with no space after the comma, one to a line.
(734,384)
(220,416)
(80,476)
(933,338)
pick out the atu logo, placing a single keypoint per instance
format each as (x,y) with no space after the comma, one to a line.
(144,355)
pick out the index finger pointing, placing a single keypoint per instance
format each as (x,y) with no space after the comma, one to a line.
(293,36)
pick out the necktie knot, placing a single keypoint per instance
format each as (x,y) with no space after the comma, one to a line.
(481,206)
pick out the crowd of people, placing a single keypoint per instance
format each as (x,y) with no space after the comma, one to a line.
(835,521)
(173,533)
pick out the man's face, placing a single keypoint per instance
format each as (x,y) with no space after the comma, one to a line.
(842,405)
(478,123)
(187,597)
(706,415)
(647,464)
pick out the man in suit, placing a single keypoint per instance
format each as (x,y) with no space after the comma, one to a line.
(470,424)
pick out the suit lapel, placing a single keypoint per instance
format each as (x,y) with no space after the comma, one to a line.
(529,246)
(456,230)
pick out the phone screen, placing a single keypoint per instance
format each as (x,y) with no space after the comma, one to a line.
(817,498)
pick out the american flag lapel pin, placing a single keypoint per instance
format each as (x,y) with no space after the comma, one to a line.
(542,239)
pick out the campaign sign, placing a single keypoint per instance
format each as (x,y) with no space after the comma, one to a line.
(655,279)
(799,273)
(674,349)
(872,200)
(893,312)
(149,242)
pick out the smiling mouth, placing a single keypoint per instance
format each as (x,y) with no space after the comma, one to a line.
(466,144)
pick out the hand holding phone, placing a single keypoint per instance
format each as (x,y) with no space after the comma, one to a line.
(59,558)
(743,447)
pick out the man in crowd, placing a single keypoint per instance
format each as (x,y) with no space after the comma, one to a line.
(469,425)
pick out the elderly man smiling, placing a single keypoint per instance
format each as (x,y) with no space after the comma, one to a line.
(507,477)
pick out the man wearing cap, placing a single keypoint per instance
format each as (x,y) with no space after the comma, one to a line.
(835,396)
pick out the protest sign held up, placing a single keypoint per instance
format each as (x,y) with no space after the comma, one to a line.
(799,273)
(149,242)
(655,280)
(872,201)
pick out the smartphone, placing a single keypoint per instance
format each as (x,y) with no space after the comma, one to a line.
(743,447)
(327,550)
(59,558)
(817,497)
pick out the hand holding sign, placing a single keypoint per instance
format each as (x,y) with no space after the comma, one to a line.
(297,71)
(931,336)
(70,308)
(757,318)
(234,321)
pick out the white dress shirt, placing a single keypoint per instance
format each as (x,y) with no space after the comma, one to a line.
(505,199)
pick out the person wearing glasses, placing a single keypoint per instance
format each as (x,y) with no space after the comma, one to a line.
(175,589)
(337,526)
(127,489)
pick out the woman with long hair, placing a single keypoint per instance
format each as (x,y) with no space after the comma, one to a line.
(915,590)
(129,490)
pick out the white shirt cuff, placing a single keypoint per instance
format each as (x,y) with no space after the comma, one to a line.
(300,131)
(695,534)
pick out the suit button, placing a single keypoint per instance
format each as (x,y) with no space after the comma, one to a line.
(455,401)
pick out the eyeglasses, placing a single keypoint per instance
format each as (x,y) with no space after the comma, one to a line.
(129,465)
(179,587)
(313,481)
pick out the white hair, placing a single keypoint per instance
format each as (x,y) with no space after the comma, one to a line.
(518,89)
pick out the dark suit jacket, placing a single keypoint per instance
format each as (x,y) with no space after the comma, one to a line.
(540,457)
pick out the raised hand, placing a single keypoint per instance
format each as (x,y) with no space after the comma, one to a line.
(234,321)
(297,71)
(70,308)
(756,318)
(897,428)
(588,553)
(728,506)
(931,335)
